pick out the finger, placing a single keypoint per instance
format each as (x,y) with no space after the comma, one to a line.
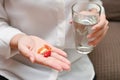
(99,38)
(40,59)
(95,34)
(61,58)
(51,62)
(64,65)
(98,32)
(59,51)
(101,23)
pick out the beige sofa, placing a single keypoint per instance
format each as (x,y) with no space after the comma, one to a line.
(106,56)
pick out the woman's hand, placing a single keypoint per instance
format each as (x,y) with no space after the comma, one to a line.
(98,31)
(29,46)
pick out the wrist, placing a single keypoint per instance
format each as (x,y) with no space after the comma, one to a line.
(15,39)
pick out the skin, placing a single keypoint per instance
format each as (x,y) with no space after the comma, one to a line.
(28,45)
(99,30)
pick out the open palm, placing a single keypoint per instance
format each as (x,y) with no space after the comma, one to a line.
(29,45)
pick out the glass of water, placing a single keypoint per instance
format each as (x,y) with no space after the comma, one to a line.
(83,21)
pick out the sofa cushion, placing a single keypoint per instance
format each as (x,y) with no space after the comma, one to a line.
(106,56)
(112,8)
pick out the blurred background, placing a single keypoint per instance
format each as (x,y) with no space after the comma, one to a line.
(106,56)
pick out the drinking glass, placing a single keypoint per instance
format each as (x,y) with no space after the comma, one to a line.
(83,21)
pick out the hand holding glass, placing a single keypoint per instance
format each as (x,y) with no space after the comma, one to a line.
(83,21)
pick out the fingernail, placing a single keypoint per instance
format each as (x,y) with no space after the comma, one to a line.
(68,62)
(67,67)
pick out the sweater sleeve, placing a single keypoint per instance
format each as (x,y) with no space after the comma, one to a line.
(7,32)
